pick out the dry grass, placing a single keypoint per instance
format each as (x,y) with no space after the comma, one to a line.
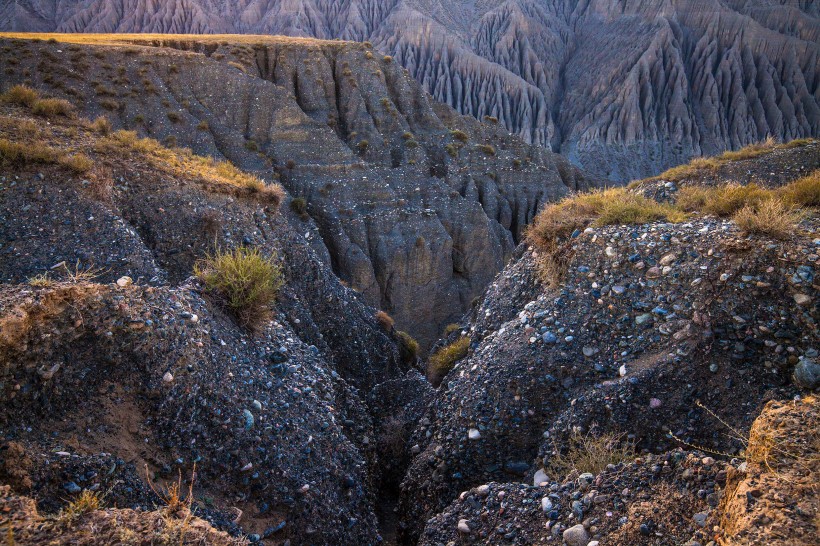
(486,149)
(408,347)
(751,151)
(20,95)
(88,501)
(723,200)
(588,453)
(19,154)
(244,281)
(51,108)
(216,174)
(40,281)
(770,217)
(804,192)
(101,125)
(385,321)
(442,361)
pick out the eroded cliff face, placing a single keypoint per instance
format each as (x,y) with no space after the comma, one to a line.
(412,204)
(623,89)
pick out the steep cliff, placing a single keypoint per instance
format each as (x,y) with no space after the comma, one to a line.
(412,204)
(624,89)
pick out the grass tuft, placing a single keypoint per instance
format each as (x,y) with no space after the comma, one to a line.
(442,361)
(804,192)
(88,501)
(771,217)
(588,453)
(385,321)
(51,108)
(244,281)
(408,347)
(20,95)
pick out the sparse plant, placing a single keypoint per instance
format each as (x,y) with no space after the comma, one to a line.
(251,145)
(444,359)
(385,321)
(41,280)
(173,116)
(452,150)
(291,164)
(21,95)
(368,55)
(244,281)
(52,108)
(88,501)
(110,104)
(770,217)
(299,206)
(804,192)
(408,347)
(203,126)
(101,125)
(450,328)
(80,274)
(387,59)
(363,145)
(588,453)
(487,149)
(491,119)
(79,162)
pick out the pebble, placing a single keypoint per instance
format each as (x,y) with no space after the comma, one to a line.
(168,377)
(124,281)
(474,434)
(700,518)
(576,536)
(463,527)
(802,299)
(72,487)
(807,374)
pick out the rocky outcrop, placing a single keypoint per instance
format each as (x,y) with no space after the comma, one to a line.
(413,205)
(623,90)
(655,326)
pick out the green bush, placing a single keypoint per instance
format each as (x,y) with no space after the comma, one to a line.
(244,281)
(408,347)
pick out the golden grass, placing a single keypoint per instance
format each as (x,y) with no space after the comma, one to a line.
(588,453)
(385,321)
(51,108)
(771,217)
(88,501)
(804,192)
(20,95)
(153,39)
(101,125)
(244,281)
(408,347)
(722,200)
(705,165)
(442,361)
(20,154)
(184,162)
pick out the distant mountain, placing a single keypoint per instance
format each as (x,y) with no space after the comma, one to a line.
(623,88)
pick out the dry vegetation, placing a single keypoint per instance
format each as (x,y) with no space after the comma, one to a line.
(442,361)
(703,165)
(588,453)
(244,281)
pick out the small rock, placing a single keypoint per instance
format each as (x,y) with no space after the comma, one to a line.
(539,477)
(807,374)
(168,377)
(474,434)
(802,299)
(654,403)
(463,527)
(72,487)
(124,281)
(576,536)
(700,518)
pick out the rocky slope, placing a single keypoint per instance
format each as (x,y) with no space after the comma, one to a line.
(653,328)
(411,204)
(623,89)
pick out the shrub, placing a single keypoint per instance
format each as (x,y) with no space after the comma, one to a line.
(203,126)
(236,65)
(804,192)
(385,321)
(139,119)
(452,150)
(52,107)
(407,135)
(21,95)
(408,347)
(488,149)
(101,125)
(251,146)
(587,453)
(412,144)
(291,164)
(174,116)
(450,328)
(461,136)
(363,145)
(491,119)
(79,162)
(368,55)
(770,217)
(244,281)
(388,59)
(442,361)
(110,104)
(299,206)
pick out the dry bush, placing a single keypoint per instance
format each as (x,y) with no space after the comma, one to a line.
(88,501)
(41,280)
(408,347)
(771,218)
(203,126)
(804,192)
(450,328)
(588,453)
(692,169)
(750,151)
(487,149)
(244,281)
(101,125)
(79,162)
(442,361)
(51,108)
(461,136)
(722,200)
(385,321)
(20,95)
